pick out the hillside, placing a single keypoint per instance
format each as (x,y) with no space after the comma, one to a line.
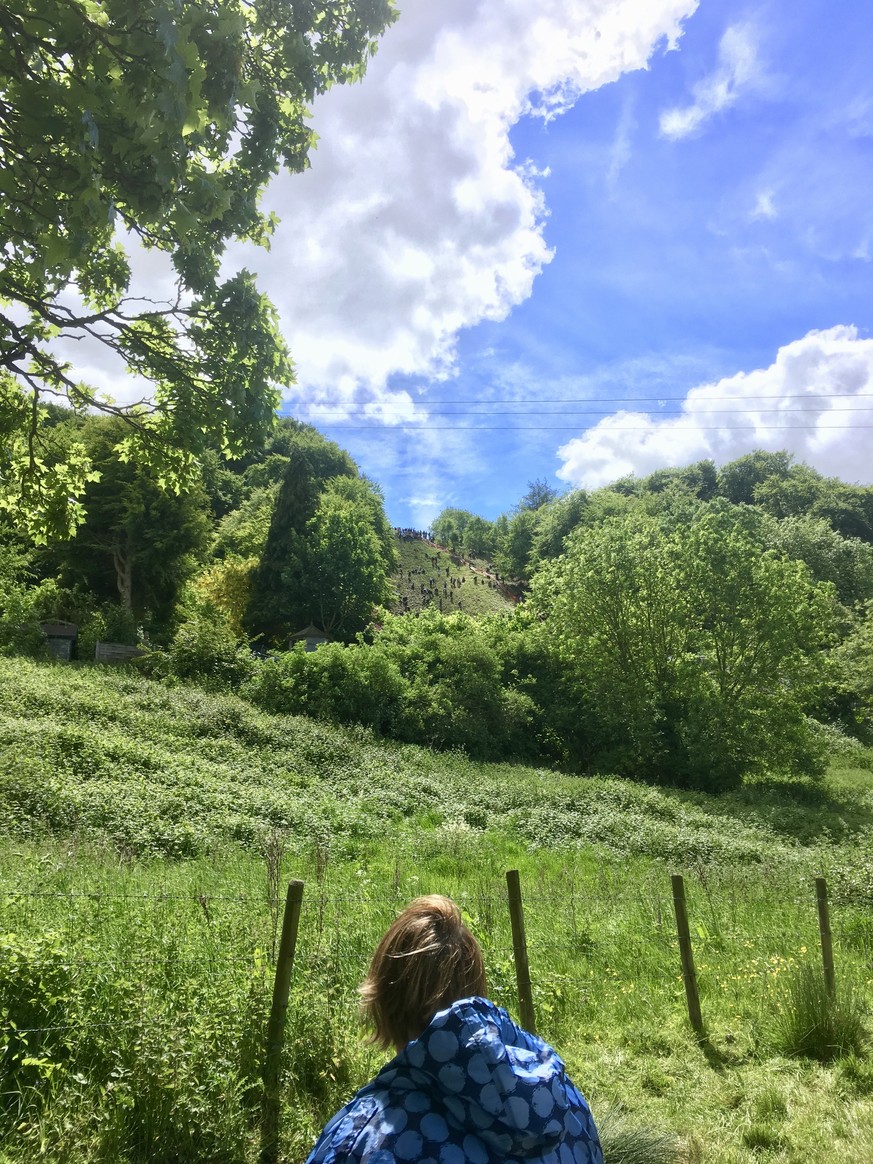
(148,833)
(432,576)
(173,771)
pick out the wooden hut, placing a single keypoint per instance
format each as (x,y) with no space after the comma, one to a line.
(61,638)
(311,636)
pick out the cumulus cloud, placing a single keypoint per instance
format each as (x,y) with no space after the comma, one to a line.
(415,220)
(738,71)
(806,402)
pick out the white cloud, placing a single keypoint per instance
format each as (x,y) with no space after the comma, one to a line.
(765,206)
(415,220)
(826,374)
(738,71)
(620,153)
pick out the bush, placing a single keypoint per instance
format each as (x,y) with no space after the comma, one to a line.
(812,1024)
(20,610)
(35,986)
(110,623)
(207,651)
(335,683)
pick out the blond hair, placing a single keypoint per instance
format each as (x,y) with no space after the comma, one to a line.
(427,960)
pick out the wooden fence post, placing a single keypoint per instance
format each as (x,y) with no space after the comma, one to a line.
(276,1027)
(689,974)
(519,946)
(824,929)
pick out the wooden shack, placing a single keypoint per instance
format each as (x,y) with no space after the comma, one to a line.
(60,638)
(311,636)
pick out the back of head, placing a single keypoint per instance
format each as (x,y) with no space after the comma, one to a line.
(427,960)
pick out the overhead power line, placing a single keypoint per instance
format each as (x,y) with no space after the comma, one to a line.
(407,425)
(611,412)
(655,399)
(611,402)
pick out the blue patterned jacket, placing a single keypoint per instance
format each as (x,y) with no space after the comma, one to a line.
(473,1088)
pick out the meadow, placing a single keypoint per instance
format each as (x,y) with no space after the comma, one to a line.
(148,833)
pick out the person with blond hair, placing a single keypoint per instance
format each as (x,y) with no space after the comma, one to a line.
(466,1086)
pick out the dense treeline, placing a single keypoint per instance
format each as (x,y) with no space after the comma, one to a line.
(774,483)
(268,544)
(692,627)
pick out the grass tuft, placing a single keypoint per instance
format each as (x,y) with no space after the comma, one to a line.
(626,1143)
(811,1024)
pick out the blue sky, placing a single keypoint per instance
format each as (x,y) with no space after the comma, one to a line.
(480,292)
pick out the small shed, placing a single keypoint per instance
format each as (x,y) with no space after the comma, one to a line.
(60,638)
(311,637)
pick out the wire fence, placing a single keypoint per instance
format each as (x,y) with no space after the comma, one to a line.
(220,973)
(571,931)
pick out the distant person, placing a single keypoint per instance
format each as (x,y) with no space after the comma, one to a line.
(467,1086)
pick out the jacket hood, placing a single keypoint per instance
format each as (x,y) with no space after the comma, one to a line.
(473,1088)
(495,1080)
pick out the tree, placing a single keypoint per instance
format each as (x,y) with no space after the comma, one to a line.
(738,480)
(479,537)
(221,593)
(329,549)
(138,543)
(792,493)
(554,522)
(853,660)
(243,532)
(539,493)
(699,479)
(349,562)
(448,527)
(697,651)
(846,562)
(282,583)
(159,123)
(514,543)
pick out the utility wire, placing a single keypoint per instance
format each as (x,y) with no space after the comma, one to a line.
(406,425)
(657,399)
(604,412)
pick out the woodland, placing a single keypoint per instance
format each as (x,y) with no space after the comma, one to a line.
(695,627)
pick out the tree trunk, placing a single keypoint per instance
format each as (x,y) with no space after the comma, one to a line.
(123,575)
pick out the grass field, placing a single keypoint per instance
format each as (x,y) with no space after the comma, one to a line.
(148,835)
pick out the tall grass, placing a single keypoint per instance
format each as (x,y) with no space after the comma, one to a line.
(627,1142)
(810,1021)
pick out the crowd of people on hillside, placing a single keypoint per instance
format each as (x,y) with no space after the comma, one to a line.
(443,593)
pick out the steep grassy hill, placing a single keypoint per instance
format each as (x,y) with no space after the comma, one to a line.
(172,771)
(431,575)
(147,834)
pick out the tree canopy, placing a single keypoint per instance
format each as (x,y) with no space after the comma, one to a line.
(697,651)
(329,549)
(159,124)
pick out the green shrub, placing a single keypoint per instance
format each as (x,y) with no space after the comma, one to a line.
(812,1024)
(110,623)
(20,616)
(36,984)
(207,651)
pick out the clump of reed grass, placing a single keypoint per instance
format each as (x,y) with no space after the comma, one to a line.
(624,1142)
(813,1023)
